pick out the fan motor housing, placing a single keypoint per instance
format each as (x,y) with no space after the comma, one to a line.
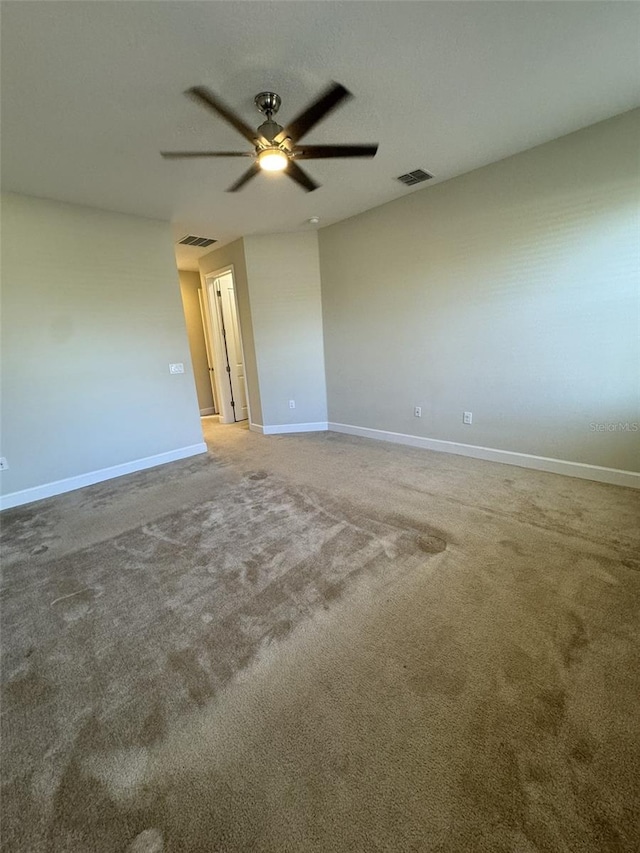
(269,129)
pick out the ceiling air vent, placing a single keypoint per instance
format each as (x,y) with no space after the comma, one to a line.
(190,240)
(415,177)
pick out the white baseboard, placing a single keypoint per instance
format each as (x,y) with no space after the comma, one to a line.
(275,429)
(598,473)
(205,412)
(48,490)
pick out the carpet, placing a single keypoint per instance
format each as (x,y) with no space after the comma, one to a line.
(318,643)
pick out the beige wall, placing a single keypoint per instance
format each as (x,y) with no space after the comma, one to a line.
(233,255)
(510,292)
(284,283)
(189,286)
(278,287)
(91,319)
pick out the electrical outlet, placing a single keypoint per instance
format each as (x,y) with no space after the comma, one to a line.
(3,464)
(292,404)
(467,417)
(176,368)
(417,412)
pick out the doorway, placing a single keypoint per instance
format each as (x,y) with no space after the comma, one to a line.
(224,343)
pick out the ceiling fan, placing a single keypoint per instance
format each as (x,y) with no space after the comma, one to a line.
(277,148)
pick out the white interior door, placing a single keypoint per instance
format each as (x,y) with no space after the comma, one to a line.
(226,347)
(231,334)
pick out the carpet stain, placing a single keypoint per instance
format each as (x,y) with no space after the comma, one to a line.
(280,630)
(258,475)
(577,641)
(503,795)
(517,665)
(194,675)
(252,573)
(84,815)
(431,544)
(332,591)
(550,709)
(608,836)
(28,690)
(154,727)
(583,751)
(515,547)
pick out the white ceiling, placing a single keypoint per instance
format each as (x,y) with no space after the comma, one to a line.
(92,91)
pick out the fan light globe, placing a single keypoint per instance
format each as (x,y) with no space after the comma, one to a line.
(273,160)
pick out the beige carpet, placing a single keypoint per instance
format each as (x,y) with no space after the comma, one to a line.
(322,643)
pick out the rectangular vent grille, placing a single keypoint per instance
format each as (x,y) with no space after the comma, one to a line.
(415,177)
(190,240)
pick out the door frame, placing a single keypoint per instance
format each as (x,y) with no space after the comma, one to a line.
(204,319)
(223,395)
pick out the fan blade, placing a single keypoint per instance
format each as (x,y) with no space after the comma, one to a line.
(300,177)
(174,155)
(251,172)
(316,152)
(314,113)
(206,97)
